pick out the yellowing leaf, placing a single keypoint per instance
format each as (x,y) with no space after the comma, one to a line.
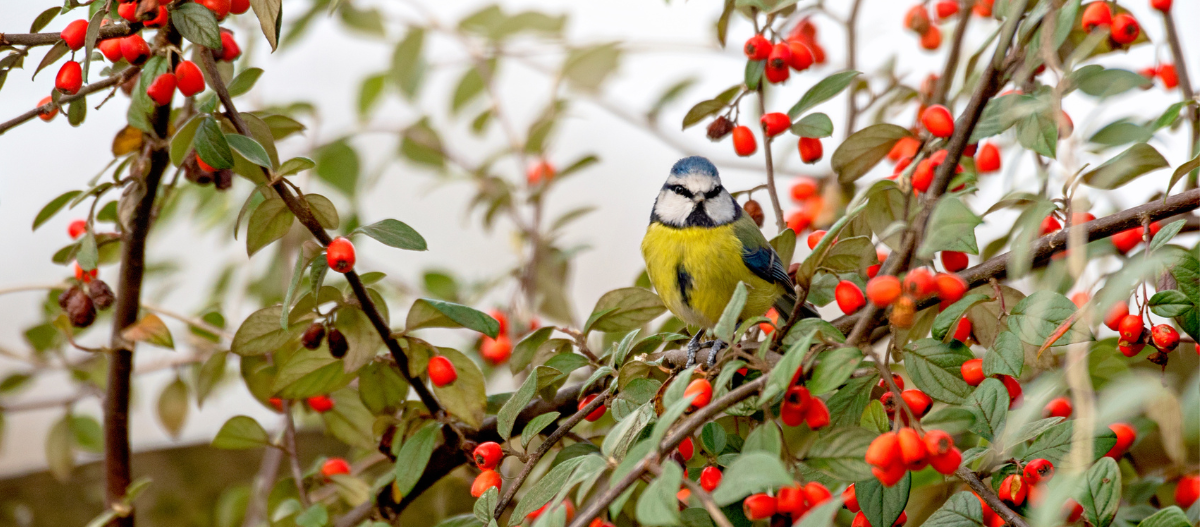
(151,330)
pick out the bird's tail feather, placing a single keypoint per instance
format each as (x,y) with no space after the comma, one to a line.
(787,302)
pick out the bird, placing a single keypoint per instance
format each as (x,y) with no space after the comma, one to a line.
(700,244)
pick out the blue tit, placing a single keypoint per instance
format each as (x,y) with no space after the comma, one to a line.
(700,244)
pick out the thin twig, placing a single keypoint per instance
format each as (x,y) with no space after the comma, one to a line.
(289,444)
(121,29)
(1185,85)
(852,63)
(546,445)
(710,505)
(984,491)
(191,321)
(779,221)
(113,80)
(948,71)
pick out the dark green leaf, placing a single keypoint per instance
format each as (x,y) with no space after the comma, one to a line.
(1182,170)
(1170,303)
(269,222)
(55,204)
(43,18)
(961,510)
(1102,83)
(536,425)
(948,319)
(824,90)
(989,404)
(429,313)
(249,149)
(239,433)
(244,81)
(833,369)
(1165,234)
(508,413)
(749,473)
(1171,516)
(1007,356)
(1135,161)
(701,110)
(395,233)
(197,24)
(1035,318)
(210,142)
(658,506)
(864,149)
(952,228)
(727,324)
(1103,493)
(624,310)
(883,505)
(936,367)
(338,165)
(260,333)
(813,125)
(414,455)
(839,453)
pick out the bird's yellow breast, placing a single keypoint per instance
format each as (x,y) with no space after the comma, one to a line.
(696,269)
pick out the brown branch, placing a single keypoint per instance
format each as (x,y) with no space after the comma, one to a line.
(1185,85)
(779,221)
(984,491)
(706,499)
(45,39)
(94,87)
(676,436)
(546,445)
(851,64)
(125,313)
(302,212)
(948,71)
(289,443)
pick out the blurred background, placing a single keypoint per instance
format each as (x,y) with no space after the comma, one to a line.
(625,54)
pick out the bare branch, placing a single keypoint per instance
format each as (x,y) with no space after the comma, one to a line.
(779,221)
(45,39)
(94,87)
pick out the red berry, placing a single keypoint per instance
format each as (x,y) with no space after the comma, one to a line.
(1096,14)
(962,332)
(484,481)
(780,57)
(815,494)
(1131,328)
(802,55)
(687,448)
(566,504)
(947,463)
(860,520)
(75,34)
(757,48)
(596,414)
(1125,28)
(1187,491)
(488,455)
(340,255)
(938,121)
(1013,386)
(82,276)
(938,442)
(790,500)
(972,372)
(1072,510)
(1125,438)
(496,350)
(1164,337)
(701,389)
(320,403)
(759,506)
(912,449)
(710,477)
(1060,407)
(76,229)
(905,147)
(162,89)
(111,48)
(743,141)
(276,403)
(1164,6)
(134,49)
(334,466)
(1049,224)
(814,238)
(238,7)
(204,166)
(1013,489)
(218,7)
(1168,76)
(849,499)
(873,270)
(891,475)
(1130,349)
(817,414)
(983,8)
(160,18)
(922,176)
(883,290)
(946,8)
(1115,315)
(954,261)
(804,188)
(128,11)
(988,158)
(189,78)
(70,78)
(917,19)
(950,288)
(1124,241)
(896,378)
(932,39)
(919,282)
(229,47)
(849,297)
(811,150)
(540,172)
(442,371)
(775,123)
(1038,470)
(884,450)
(917,401)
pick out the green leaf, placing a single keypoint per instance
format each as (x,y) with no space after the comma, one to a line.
(658,505)
(752,77)
(847,405)
(1170,303)
(1172,516)
(307,373)
(702,110)
(781,375)
(1039,133)
(727,324)
(249,149)
(875,418)
(935,368)
(839,453)
(624,309)
(949,318)
(1007,356)
(429,313)
(465,398)
(536,425)
(395,233)
(173,407)
(239,433)
(544,489)
(469,87)
(864,149)
(361,336)
(77,112)
(59,455)
(989,404)
(54,206)
(765,438)
(824,90)
(381,387)
(1055,442)
(210,142)
(197,24)
(181,142)
(513,406)
(1165,234)
(1035,318)
(268,13)
(269,222)
(1135,161)
(1103,493)
(338,165)
(414,456)
(586,68)
(813,125)
(833,368)
(749,473)
(524,351)
(244,81)
(323,210)
(1103,83)
(961,510)
(421,144)
(1182,170)
(713,438)
(43,18)
(952,228)
(883,505)
(88,255)
(260,333)
(314,516)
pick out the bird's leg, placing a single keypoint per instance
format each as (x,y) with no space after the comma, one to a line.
(717,346)
(693,347)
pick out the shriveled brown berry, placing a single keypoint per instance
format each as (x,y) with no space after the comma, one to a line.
(337,344)
(313,336)
(902,312)
(65,296)
(719,128)
(102,296)
(223,179)
(80,309)
(755,211)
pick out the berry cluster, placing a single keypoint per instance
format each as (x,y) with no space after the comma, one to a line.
(793,501)
(892,454)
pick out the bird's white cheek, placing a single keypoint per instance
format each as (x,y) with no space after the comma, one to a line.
(673,209)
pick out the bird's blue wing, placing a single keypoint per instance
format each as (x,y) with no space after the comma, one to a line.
(759,256)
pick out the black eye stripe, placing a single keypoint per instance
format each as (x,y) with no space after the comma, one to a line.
(681,190)
(713,193)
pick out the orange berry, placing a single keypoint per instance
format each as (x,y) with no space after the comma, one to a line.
(496,350)
(759,506)
(849,297)
(814,238)
(883,290)
(1060,407)
(972,372)
(710,477)
(1126,435)
(938,121)
(1125,28)
(1096,14)
(701,389)
(334,466)
(442,371)
(485,480)
(775,123)
(804,188)
(743,141)
(810,150)
(75,34)
(320,403)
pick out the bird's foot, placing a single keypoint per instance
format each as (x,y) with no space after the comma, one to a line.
(695,345)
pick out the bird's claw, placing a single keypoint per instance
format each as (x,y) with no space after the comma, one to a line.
(695,345)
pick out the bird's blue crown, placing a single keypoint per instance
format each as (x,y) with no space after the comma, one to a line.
(694,165)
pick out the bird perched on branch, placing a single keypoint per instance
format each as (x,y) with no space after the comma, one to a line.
(700,244)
